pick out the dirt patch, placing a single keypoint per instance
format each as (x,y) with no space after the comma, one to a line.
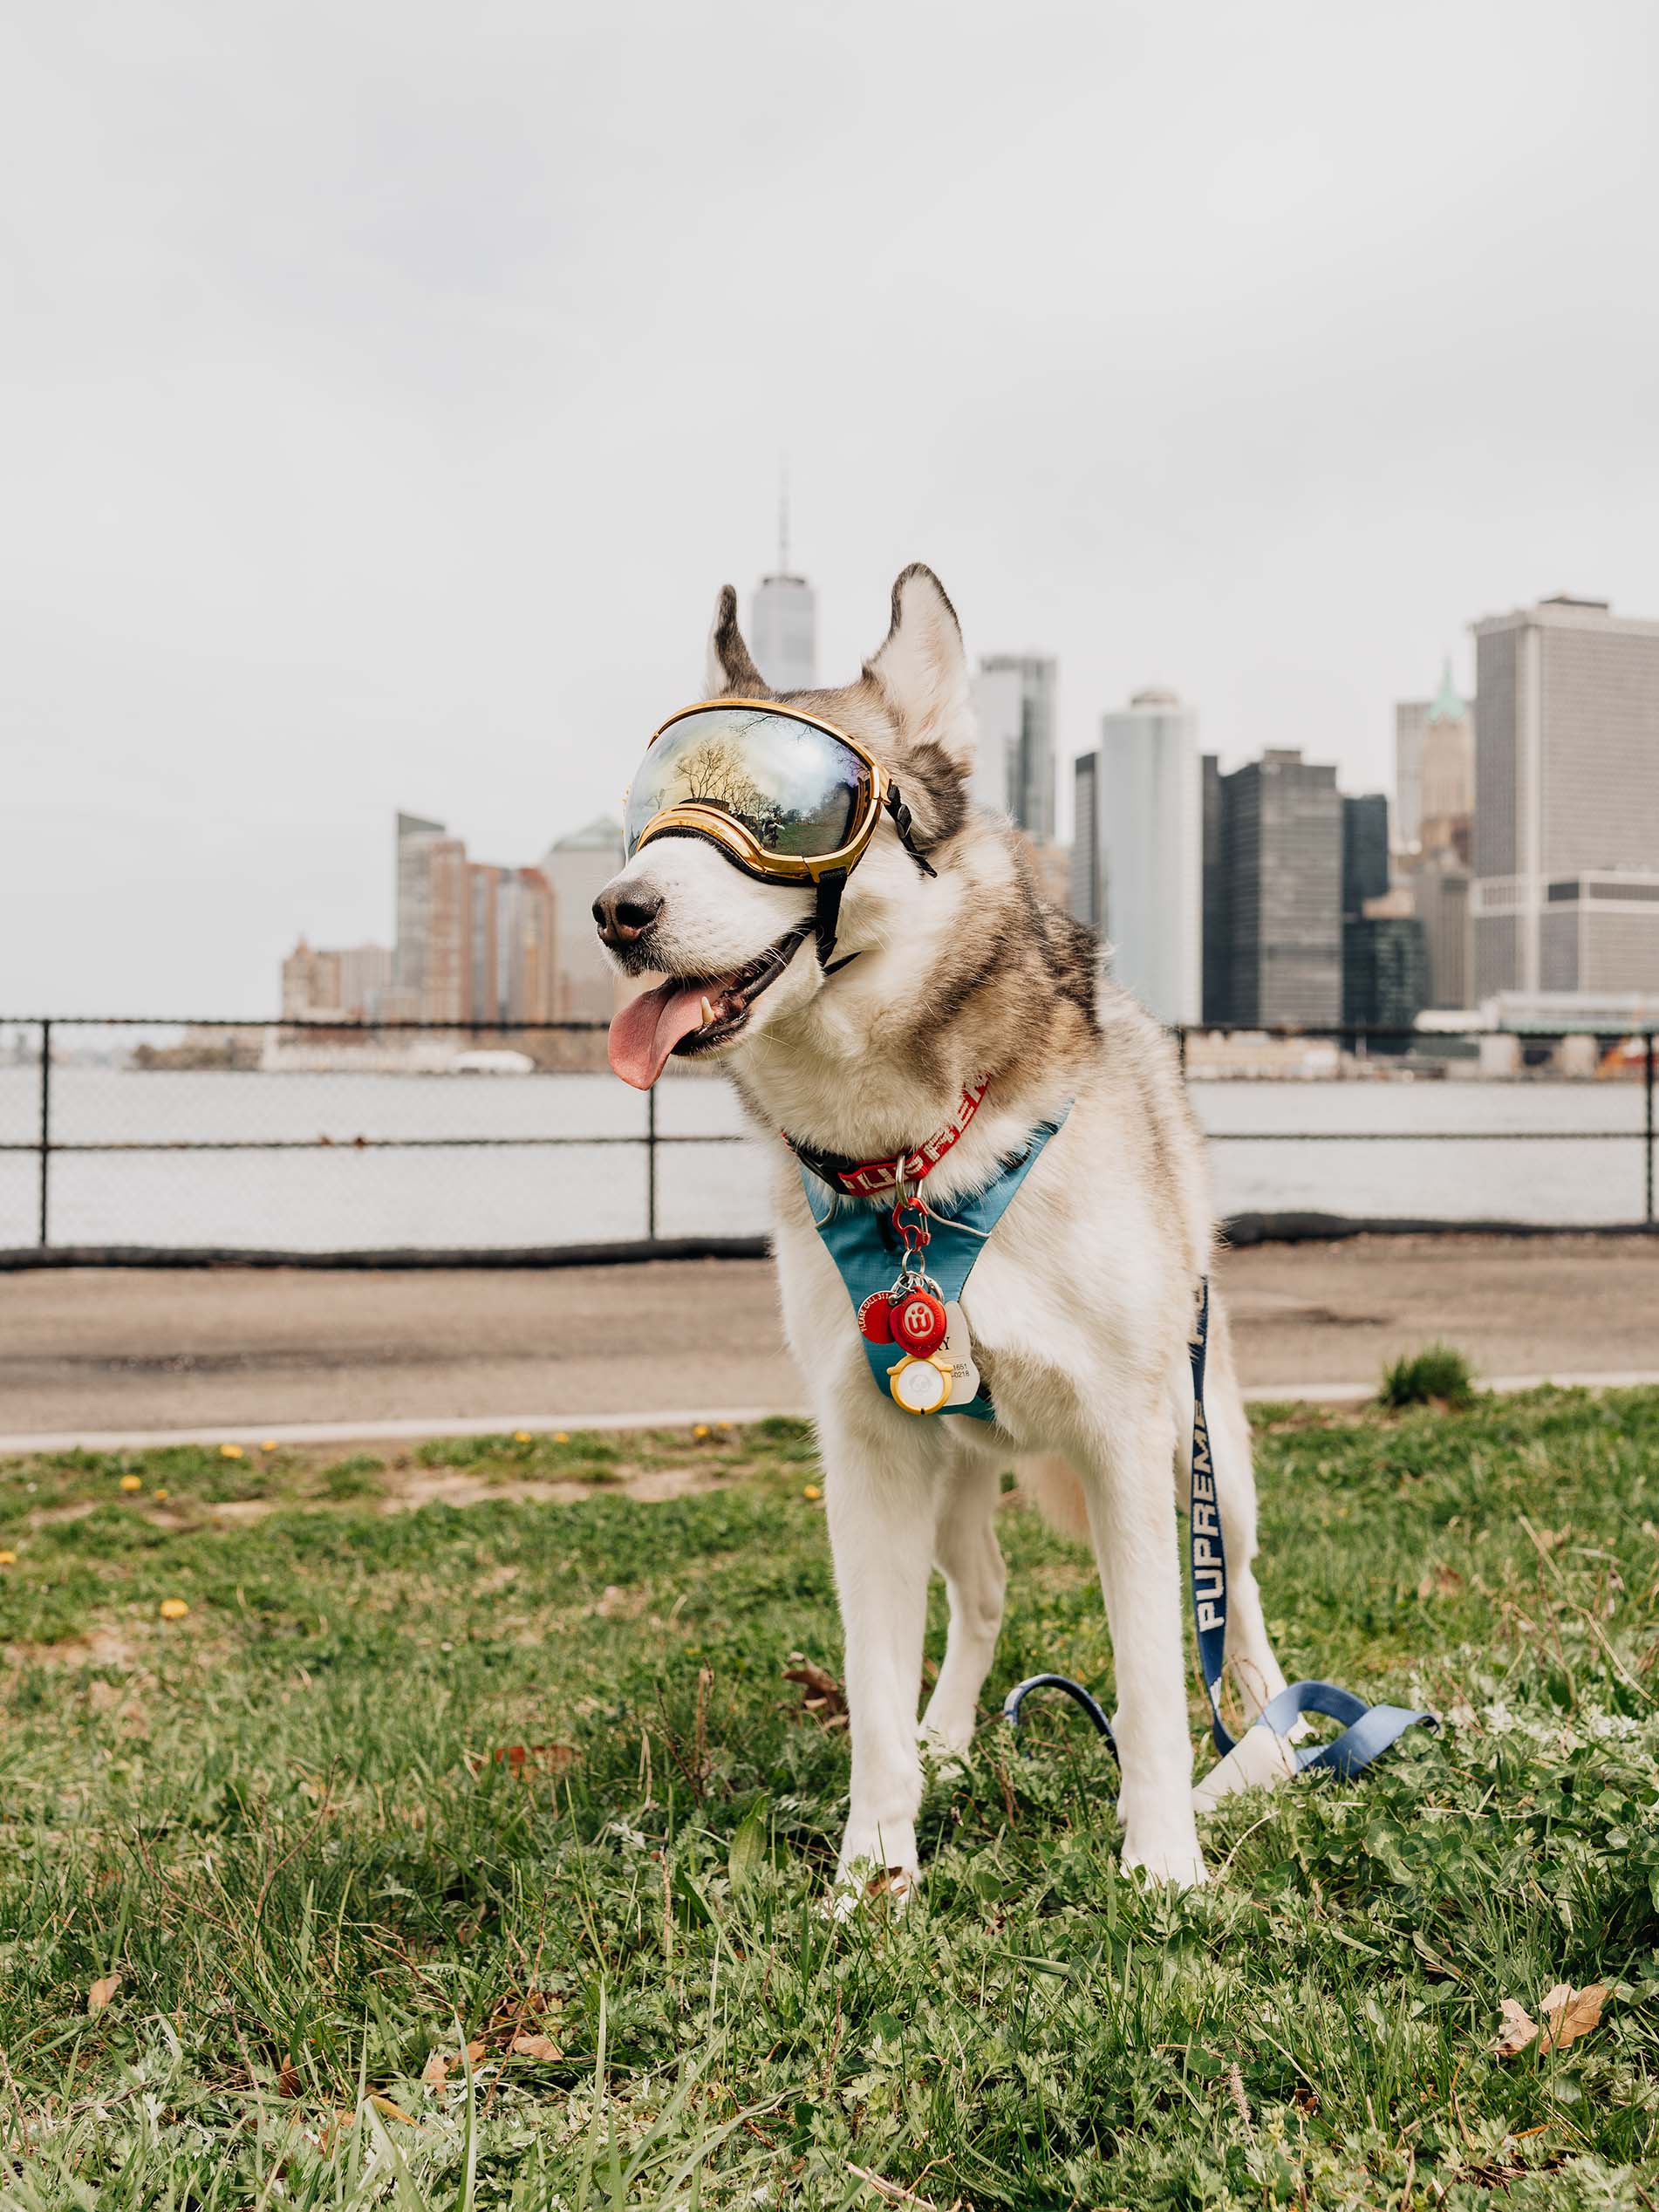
(406,1488)
(103,1648)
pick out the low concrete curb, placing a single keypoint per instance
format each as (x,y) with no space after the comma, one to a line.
(541,1424)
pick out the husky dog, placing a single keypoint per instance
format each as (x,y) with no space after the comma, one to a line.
(1080,1304)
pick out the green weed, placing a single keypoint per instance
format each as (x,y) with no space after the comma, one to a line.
(1439,1374)
(361,1475)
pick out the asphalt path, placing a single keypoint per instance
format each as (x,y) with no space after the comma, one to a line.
(120,1350)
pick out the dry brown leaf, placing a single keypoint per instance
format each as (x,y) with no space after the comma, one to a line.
(523,1759)
(1440,1582)
(101,1991)
(896,1882)
(824,1697)
(1515,2029)
(1569,2013)
(535,2046)
(393,2112)
(439,2067)
(287,2083)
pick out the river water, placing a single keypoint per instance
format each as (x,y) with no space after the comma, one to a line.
(332,1198)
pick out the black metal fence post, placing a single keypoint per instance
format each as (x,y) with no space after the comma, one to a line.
(1647,1085)
(651,1162)
(44,1135)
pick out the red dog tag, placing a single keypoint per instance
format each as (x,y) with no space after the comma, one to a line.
(874,1319)
(918,1323)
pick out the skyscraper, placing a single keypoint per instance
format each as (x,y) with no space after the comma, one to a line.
(1086,887)
(1434,857)
(1410,721)
(446,992)
(1217,937)
(1014,700)
(1148,835)
(416,838)
(1281,856)
(579,867)
(1385,961)
(1565,856)
(1365,850)
(783,618)
(1440,892)
(1385,974)
(1448,769)
(526,981)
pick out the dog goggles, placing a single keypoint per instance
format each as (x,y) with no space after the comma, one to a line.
(785,796)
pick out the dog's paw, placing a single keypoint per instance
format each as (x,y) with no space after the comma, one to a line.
(1178,1860)
(866,1887)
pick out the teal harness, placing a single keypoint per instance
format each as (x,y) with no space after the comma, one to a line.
(867,1249)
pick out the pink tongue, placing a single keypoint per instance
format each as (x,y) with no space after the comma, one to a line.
(645,1031)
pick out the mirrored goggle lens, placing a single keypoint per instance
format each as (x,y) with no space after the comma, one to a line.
(797,790)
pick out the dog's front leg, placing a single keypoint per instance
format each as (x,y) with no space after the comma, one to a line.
(967,1553)
(880,1492)
(1131,1513)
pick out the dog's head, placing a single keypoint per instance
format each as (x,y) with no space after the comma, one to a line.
(740,954)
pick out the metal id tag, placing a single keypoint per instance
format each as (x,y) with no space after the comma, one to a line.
(957,1351)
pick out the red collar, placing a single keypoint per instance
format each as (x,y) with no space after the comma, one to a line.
(880,1178)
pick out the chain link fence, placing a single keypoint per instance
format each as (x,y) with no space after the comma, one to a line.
(170,1142)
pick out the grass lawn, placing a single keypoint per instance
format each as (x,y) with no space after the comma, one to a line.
(522,1778)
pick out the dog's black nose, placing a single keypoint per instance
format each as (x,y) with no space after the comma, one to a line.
(623,915)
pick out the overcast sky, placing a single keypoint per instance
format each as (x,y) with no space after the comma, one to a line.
(385,390)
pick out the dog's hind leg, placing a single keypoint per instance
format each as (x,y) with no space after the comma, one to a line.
(881,1490)
(968,1555)
(1255,1672)
(1132,1517)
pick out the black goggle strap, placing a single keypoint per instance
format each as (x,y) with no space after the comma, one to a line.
(901,815)
(831,885)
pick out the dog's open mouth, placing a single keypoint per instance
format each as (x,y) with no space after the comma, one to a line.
(691,1014)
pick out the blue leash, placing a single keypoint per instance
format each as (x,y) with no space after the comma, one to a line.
(1367,1729)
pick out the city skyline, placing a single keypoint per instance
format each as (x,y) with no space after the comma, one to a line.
(473,942)
(403,454)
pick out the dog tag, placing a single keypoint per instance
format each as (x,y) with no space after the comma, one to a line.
(918,1322)
(875,1324)
(920,1386)
(957,1352)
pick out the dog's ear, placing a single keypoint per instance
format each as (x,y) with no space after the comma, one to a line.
(923,670)
(729,667)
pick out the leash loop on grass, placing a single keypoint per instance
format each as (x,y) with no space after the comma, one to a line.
(1075,1690)
(1368,1731)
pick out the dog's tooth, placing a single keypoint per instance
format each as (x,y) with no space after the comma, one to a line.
(708,1011)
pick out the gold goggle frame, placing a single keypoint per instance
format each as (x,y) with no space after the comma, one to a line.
(744,847)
